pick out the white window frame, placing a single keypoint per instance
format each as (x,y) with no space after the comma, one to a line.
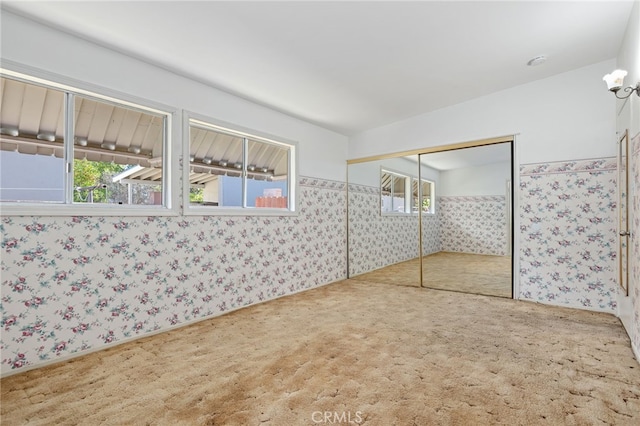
(68,207)
(408,193)
(432,196)
(230,128)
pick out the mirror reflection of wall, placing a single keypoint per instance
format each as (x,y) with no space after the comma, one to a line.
(383,225)
(473,221)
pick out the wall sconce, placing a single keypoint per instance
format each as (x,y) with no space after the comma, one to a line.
(615,81)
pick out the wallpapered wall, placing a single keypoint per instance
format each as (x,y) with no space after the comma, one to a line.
(475,224)
(634,252)
(430,234)
(80,283)
(375,240)
(568,240)
(461,224)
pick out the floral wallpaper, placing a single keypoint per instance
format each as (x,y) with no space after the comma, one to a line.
(377,240)
(568,240)
(430,234)
(634,248)
(79,283)
(473,224)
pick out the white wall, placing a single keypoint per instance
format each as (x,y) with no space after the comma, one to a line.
(368,173)
(489,179)
(563,117)
(322,153)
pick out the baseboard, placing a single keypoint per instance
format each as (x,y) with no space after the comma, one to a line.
(581,308)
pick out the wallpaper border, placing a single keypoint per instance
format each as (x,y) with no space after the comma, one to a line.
(588,165)
(322,183)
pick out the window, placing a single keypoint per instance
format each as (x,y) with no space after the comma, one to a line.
(61,146)
(393,187)
(425,199)
(400,193)
(231,169)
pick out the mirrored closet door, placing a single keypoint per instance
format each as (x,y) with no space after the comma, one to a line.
(471,221)
(441,220)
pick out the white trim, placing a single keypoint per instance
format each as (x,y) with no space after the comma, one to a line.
(201,121)
(515,215)
(69,210)
(236,211)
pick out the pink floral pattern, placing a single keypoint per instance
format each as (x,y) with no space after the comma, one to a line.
(430,234)
(568,243)
(634,248)
(377,240)
(473,224)
(79,283)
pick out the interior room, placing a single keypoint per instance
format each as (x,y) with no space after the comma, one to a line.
(320,212)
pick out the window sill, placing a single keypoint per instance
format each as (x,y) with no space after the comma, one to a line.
(232,211)
(31,209)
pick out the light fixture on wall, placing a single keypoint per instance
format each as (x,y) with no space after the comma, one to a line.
(615,81)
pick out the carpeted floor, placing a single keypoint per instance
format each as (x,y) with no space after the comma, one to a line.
(370,353)
(469,273)
(464,272)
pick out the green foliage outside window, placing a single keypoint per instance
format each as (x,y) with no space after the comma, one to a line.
(90,173)
(196,195)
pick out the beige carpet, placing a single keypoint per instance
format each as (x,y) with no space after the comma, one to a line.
(402,273)
(372,353)
(468,273)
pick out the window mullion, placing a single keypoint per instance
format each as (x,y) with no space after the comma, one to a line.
(69,136)
(408,194)
(245,156)
(290,190)
(393,193)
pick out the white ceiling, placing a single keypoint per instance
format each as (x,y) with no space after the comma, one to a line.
(350,66)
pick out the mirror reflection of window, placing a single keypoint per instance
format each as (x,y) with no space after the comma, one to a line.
(393,189)
(423,200)
(386,183)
